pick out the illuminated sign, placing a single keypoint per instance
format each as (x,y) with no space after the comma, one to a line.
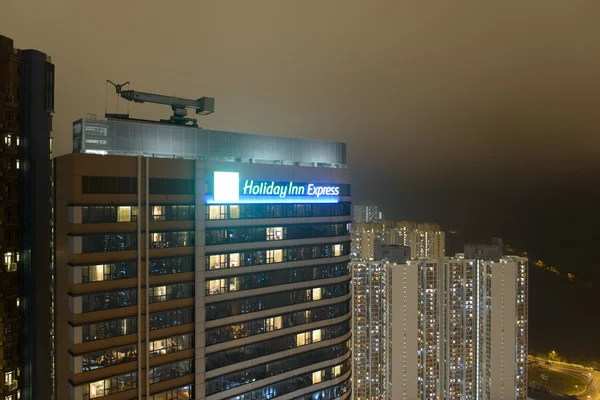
(229,189)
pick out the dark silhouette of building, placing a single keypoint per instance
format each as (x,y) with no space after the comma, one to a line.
(26,295)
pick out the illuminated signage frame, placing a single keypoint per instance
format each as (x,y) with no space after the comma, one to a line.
(228,189)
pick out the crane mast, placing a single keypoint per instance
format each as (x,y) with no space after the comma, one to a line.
(202,106)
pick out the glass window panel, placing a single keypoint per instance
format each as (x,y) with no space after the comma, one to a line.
(97,389)
(317,377)
(234,260)
(234,212)
(124,214)
(316,294)
(214,212)
(316,335)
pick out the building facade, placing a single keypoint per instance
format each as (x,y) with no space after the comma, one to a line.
(366,213)
(26,297)
(446,329)
(220,274)
(425,240)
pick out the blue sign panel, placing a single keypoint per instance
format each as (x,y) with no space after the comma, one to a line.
(228,189)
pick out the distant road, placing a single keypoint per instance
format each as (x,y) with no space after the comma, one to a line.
(591,392)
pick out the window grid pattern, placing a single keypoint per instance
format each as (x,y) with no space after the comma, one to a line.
(274,300)
(282,343)
(266,233)
(170,318)
(172,370)
(261,211)
(255,257)
(263,325)
(263,371)
(300,382)
(274,278)
(171,291)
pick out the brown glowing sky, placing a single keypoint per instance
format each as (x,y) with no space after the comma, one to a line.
(418,90)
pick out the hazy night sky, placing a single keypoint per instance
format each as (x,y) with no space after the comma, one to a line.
(452,111)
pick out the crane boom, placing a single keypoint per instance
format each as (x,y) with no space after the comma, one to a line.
(202,106)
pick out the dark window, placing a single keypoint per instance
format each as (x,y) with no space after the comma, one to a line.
(162,240)
(180,393)
(172,370)
(173,344)
(303,381)
(108,386)
(171,291)
(258,211)
(248,258)
(273,233)
(167,319)
(259,372)
(108,185)
(108,300)
(109,357)
(282,343)
(274,300)
(171,213)
(273,278)
(172,265)
(107,329)
(95,214)
(171,186)
(102,242)
(108,272)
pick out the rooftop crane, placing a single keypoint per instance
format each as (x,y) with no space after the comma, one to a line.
(202,106)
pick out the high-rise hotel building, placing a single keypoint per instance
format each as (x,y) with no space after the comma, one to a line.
(444,329)
(197,264)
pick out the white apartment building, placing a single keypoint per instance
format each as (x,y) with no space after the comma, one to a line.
(450,329)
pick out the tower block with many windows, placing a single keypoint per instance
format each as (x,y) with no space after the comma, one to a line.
(201,264)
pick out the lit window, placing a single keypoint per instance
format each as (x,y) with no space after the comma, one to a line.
(273,323)
(158,347)
(275,233)
(316,294)
(18,162)
(234,260)
(302,339)
(316,335)
(8,378)
(97,389)
(274,256)
(159,292)
(337,250)
(234,212)
(218,261)
(124,214)
(217,212)
(216,286)
(7,258)
(158,213)
(234,284)
(95,273)
(317,377)
(8,140)
(18,302)
(336,371)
